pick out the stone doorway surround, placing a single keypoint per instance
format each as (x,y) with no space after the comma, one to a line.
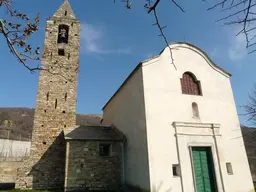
(190,135)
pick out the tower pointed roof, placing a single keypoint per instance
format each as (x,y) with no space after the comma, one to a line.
(65,10)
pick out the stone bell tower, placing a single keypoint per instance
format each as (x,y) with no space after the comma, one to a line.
(55,110)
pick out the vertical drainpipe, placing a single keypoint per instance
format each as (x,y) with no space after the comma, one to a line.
(178,154)
(217,152)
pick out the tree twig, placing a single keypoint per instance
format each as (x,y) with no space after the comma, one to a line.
(164,37)
(242,15)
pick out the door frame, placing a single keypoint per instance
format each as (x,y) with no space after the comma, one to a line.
(213,164)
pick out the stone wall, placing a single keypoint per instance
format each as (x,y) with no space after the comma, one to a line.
(8,171)
(88,171)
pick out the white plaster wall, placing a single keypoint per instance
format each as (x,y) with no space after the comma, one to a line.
(166,104)
(127,112)
(12,148)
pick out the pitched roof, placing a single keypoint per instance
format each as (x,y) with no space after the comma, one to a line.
(90,126)
(89,119)
(99,133)
(65,10)
(22,122)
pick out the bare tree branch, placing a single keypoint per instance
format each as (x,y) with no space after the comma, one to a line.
(17,31)
(250,107)
(178,5)
(164,37)
(151,6)
(243,14)
(218,4)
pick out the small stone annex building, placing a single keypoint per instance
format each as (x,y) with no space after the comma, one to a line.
(164,129)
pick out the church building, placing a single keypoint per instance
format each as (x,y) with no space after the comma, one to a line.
(166,129)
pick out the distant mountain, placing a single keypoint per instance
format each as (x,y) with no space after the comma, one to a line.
(18,122)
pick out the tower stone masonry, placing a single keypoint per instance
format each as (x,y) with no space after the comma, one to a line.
(55,104)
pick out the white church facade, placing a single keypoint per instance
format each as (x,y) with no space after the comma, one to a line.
(172,126)
(181,125)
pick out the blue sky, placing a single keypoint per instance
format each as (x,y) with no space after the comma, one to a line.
(114,40)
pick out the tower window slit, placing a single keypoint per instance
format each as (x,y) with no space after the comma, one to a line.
(56,103)
(69,56)
(66,13)
(47,96)
(66,95)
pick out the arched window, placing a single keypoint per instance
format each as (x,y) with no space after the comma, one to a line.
(63,34)
(195,110)
(190,85)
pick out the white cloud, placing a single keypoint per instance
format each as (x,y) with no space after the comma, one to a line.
(214,52)
(92,41)
(237,47)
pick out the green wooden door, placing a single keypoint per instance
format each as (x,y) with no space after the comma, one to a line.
(203,169)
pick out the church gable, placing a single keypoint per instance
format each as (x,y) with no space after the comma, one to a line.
(187,59)
(191,53)
(193,70)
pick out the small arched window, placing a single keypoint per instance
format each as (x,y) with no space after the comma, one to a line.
(63,34)
(190,85)
(195,110)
